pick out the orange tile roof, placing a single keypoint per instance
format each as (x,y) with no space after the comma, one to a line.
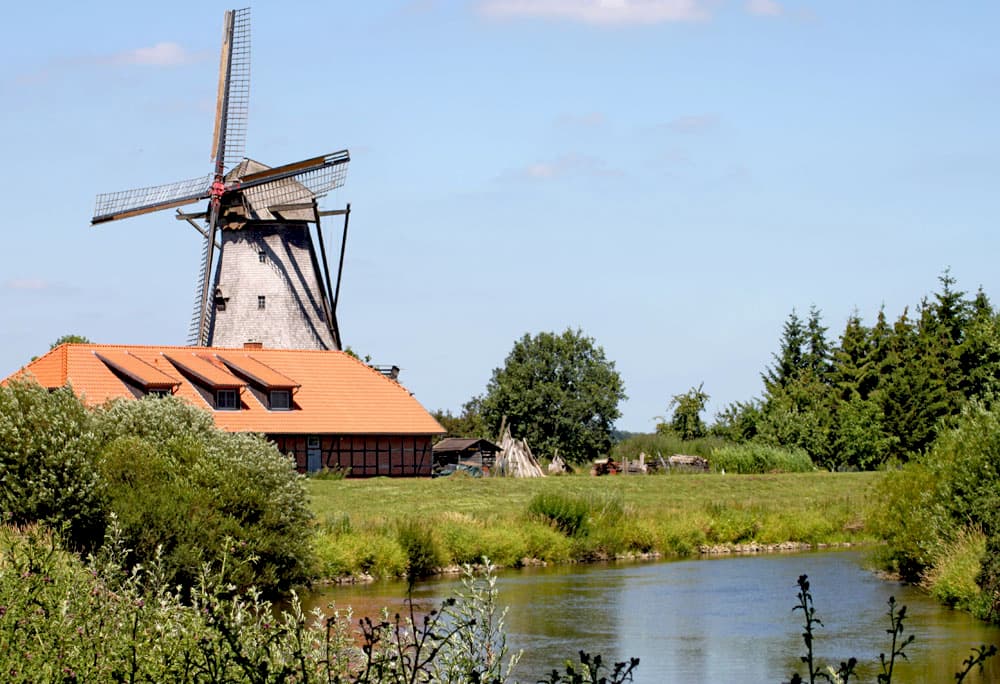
(338,394)
(258,372)
(204,368)
(143,374)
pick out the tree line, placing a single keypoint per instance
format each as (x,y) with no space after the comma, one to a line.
(873,394)
(876,393)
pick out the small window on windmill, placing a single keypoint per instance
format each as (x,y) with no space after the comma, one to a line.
(220,299)
(262,255)
(261,302)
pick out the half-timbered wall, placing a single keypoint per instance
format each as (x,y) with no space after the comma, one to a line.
(362,455)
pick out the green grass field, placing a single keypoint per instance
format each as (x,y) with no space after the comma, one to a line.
(383,526)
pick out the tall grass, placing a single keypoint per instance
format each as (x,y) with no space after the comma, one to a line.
(576,517)
(654,445)
(760,458)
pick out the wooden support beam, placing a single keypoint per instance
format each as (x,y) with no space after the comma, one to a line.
(190,219)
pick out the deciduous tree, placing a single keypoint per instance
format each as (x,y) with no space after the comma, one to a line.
(560,392)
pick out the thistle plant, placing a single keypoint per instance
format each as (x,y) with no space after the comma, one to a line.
(897,650)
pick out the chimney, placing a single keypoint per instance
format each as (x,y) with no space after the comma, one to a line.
(253,345)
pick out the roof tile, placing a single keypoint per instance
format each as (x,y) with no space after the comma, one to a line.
(338,394)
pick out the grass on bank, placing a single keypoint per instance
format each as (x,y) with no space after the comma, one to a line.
(385,527)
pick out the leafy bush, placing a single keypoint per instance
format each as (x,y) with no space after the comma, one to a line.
(755,457)
(176,481)
(47,447)
(926,509)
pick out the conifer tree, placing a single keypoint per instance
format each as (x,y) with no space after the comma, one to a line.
(788,362)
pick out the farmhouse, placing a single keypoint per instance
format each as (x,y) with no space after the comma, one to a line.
(325,408)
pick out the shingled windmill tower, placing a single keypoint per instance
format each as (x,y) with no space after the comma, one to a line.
(269,285)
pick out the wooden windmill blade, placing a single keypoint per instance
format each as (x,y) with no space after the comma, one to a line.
(112,206)
(228,143)
(328,169)
(232,105)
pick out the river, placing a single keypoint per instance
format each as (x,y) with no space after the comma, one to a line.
(725,619)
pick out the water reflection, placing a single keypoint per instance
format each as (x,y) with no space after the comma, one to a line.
(723,620)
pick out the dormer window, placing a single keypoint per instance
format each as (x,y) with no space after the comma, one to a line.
(281,400)
(227,400)
(158,393)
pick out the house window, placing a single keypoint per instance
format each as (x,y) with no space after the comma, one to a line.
(226,400)
(262,255)
(281,400)
(261,302)
(158,393)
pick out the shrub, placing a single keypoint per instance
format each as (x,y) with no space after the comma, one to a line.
(756,457)
(47,447)
(423,557)
(568,514)
(178,483)
(951,579)
(922,508)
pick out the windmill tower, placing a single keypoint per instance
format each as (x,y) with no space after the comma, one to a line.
(268,284)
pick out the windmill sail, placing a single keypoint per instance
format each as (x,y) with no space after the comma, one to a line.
(111,206)
(263,281)
(233,102)
(228,138)
(294,185)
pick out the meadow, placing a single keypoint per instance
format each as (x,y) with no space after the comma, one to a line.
(388,527)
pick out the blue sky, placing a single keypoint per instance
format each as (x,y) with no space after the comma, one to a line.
(672,177)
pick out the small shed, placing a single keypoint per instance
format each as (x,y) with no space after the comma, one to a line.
(481,453)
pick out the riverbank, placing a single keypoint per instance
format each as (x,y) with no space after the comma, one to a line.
(382,527)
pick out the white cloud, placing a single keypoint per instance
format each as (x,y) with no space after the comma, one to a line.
(161,54)
(598,12)
(165,54)
(764,8)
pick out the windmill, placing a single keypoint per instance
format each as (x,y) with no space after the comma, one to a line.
(268,285)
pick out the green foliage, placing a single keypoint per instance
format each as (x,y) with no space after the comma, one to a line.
(568,514)
(951,579)
(63,620)
(663,445)
(758,457)
(178,486)
(47,473)
(559,392)
(880,393)
(69,339)
(686,420)
(924,510)
(625,515)
(423,558)
(178,483)
(470,423)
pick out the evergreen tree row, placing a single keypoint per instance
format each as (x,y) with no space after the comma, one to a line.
(880,392)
